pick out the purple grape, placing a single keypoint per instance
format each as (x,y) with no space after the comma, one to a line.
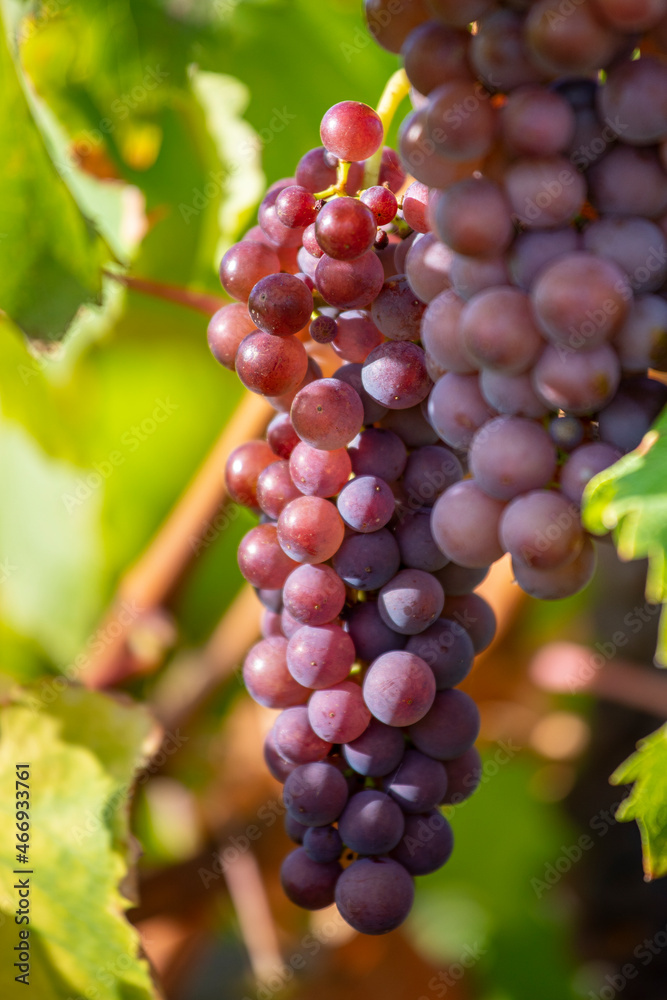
(345,228)
(390,25)
(306,883)
(541,529)
(338,713)
(244,265)
(634,94)
(533,251)
(262,561)
(637,404)
(323,329)
(320,473)
(275,488)
(457,580)
(371,823)
(377,751)
(465,523)
(579,382)
(399,688)
(288,623)
(566,432)
(471,275)
(356,336)
(397,311)
(418,784)
(310,529)
(316,170)
(277,765)
(281,436)
(327,414)
(473,217)
(271,624)
(296,207)
(377,452)
(511,455)
(226,329)
(499,331)
(320,656)
(411,601)
(410,425)
(313,595)
(563,581)
(243,468)
(427,267)
(351,130)
(416,543)
(448,650)
(434,53)
(429,472)
(315,794)
(457,409)
(349,284)
(351,375)
(584,463)
(367,561)
(322,844)
(295,830)
(294,740)
(512,395)
(475,615)
(395,375)
(369,633)
(441,333)
(449,728)
(464,774)
(426,844)
(374,895)
(271,366)
(280,304)
(366,503)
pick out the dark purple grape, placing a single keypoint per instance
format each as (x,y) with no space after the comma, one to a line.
(322,844)
(464,774)
(511,455)
(633,97)
(636,405)
(244,265)
(563,581)
(457,580)
(566,432)
(351,374)
(399,688)
(315,794)
(280,304)
(473,217)
(369,633)
(448,650)
(295,830)
(465,523)
(579,382)
(567,46)
(377,751)
(474,134)
(371,823)
(411,601)
(277,765)
(475,615)
(426,845)
(457,409)
(449,728)
(433,54)
(367,561)
(416,543)
(319,657)
(323,329)
(410,425)
(306,883)
(314,595)
(429,472)
(585,462)
(327,414)
(366,503)
(390,24)
(419,783)
(377,452)
(374,895)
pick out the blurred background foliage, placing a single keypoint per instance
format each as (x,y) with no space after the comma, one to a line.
(139,135)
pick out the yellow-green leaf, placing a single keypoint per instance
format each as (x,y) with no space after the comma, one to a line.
(647,803)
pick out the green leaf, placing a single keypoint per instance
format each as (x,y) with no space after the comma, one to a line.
(647,802)
(84,749)
(50,255)
(631,498)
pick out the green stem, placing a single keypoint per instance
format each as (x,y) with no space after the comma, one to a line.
(341,181)
(397,88)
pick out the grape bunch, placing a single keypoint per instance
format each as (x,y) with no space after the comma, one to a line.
(455,340)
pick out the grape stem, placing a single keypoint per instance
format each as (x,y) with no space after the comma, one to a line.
(341,180)
(396,90)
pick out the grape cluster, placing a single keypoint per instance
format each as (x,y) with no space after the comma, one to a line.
(455,340)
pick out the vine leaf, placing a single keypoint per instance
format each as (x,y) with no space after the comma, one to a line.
(631,498)
(647,802)
(84,749)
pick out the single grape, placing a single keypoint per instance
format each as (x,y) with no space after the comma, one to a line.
(349,284)
(427,267)
(537,122)
(534,250)
(632,100)
(277,765)
(457,580)
(322,844)
(427,843)
(637,404)
(397,311)
(262,561)
(272,600)
(345,228)
(566,46)
(351,130)
(319,657)
(369,633)
(415,207)
(422,158)
(316,170)
(641,15)
(295,830)
(511,455)
(377,751)
(390,24)
(271,366)
(471,275)
(542,530)
(293,738)
(457,13)
(267,678)
(399,688)
(372,823)
(395,375)
(367,561)
(366,503)
(351,374)
(641,340)
(457,409)
(243,468)
(499,54)
(579,382)
(313,595)
(465,523)
(638,247)
(441,333)
(275,488)
(323,329)
(461,120)
(288,623)
(315,794)
(356,336)
(473,217)
(226,330)
(419,783)
(564,581)
(544,192)
(411,601)
(513,395)
(428,473)
(320,473)
(310,529)
(448,650)
(449,728)
(244,265)
(306,883)
(628,180)
(338,713)
(464,774)
(475,615)
(410,425)
(391,172)
(416,543)
(378,452)
(296,207)
(284,402)
(327,414)
(382,203)
(566,432)
(374,895)
(434,54)
(280,304)
(499,331)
